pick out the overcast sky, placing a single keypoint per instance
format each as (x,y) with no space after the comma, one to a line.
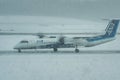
(62,8)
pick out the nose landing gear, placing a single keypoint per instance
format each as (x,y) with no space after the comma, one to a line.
(55,49)
(76,49)
(19,50)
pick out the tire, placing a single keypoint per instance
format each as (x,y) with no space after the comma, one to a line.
(19,50)
(77,50)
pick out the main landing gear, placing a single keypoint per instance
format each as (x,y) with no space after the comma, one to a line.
(76,49)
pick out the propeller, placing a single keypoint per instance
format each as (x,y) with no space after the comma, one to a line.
(62,39)
(40,35)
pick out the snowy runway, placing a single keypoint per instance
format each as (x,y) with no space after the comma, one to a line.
(8,52)
(61,66)
(101,62)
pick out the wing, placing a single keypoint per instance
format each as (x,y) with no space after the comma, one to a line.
(44,34)
(37,34)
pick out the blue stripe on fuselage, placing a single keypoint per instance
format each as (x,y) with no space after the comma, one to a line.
(96,38)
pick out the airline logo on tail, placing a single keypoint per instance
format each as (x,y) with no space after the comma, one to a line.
(110,29)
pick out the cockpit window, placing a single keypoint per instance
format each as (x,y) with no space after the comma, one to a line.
(24,41)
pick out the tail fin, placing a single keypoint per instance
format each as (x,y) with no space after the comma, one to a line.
(112,28)
(110,31)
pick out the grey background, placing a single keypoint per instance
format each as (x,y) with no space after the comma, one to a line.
(89,9)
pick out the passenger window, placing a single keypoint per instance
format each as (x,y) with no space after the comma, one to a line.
(24,41)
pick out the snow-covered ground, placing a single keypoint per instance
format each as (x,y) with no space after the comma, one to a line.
(56,66)
(49,24)
(60,66)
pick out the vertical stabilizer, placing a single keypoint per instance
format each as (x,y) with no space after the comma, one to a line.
(112,28)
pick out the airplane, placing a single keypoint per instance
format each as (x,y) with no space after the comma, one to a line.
(55,42)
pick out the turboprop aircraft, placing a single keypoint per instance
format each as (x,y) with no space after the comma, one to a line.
(70,42)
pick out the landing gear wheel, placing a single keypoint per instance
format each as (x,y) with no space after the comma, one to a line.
(19,50)
(77,50)
(55,49)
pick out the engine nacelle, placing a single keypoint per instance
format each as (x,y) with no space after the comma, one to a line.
(65,40)
(68,41)
(61,40)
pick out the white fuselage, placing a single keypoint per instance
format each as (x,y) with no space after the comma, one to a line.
(67,42)
(50,42)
